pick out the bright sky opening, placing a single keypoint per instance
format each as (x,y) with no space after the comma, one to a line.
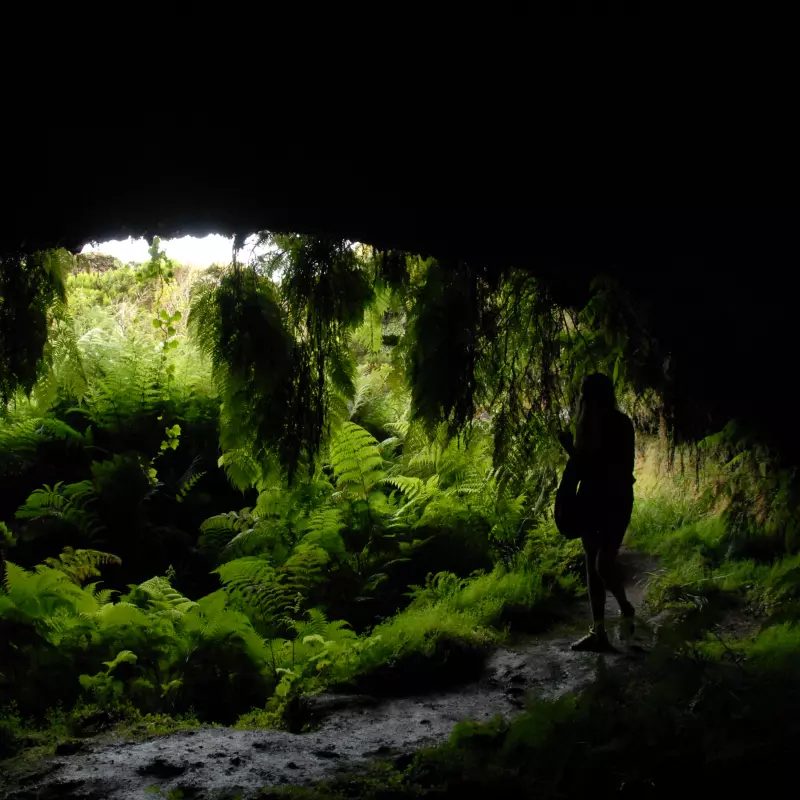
(188,250)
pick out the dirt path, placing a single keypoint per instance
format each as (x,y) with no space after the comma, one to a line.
(223,762)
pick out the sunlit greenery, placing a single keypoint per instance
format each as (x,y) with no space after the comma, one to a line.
(226,489)
(278,542)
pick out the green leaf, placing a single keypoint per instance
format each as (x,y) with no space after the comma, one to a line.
(156,323)
(164,315)
(171,686)
(123,657)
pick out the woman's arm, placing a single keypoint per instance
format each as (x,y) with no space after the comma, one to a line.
(567,442)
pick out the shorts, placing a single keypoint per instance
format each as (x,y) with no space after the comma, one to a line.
(606,515)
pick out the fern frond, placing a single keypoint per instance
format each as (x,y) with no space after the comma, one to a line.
(241,467)
(338,630)
(37,594)
(264,537)
(121,615)
(189,479)
(356,461)
(251,580)
(315,625)
(158,594)
(80,565)
(323,529)
(400,428)
(270,593)
(411,487)
(20,440)
(46,501)
(67,502)
(102,596)
(217,532)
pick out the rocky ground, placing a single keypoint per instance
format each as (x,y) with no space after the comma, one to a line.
(224,762)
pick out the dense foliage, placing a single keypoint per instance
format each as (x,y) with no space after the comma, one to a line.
(31,301)
(264,465)
(226,489)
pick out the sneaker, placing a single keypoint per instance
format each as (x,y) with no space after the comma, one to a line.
(594,642)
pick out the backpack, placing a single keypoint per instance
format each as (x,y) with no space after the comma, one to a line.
(567,510)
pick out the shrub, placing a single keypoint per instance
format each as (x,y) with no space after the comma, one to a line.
(420,646)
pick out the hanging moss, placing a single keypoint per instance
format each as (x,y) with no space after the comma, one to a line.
(32,294)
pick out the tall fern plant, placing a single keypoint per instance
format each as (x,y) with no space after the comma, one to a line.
(274,554)
(279,350)
(450,483)
(358,469)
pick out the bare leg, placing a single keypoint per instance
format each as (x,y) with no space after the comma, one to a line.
(602,573)
(595,584)
(609,571)
(597,639)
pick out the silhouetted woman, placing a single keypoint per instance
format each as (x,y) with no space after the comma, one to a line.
(604,452)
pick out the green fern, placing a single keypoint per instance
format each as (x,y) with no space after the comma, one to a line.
(66,502)
(158,594)
(415,490)
(122,388)
(80,565)
(41,502)
(102,596)
(280,521)
(411,487)
(21,439)
(33,290)
(218,532)
(315,625)
(242,468)
(323,529)
(249,581)
(300,572)
(400,428)
(7,538)
(35,596)
(357,462)
(189,479)
(274,594)
(121,616)
(238,323)
(266,537)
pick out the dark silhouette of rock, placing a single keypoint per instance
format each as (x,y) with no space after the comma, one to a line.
(70,747)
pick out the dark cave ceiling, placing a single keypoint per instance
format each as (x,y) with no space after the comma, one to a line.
(719,283)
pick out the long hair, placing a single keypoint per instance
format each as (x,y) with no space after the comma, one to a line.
(596,405)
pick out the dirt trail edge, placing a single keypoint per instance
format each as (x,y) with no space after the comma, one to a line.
(228,763)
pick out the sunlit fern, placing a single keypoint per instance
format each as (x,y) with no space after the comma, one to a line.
(80,565)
